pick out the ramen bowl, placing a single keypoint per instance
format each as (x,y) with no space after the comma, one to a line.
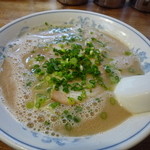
(123,136)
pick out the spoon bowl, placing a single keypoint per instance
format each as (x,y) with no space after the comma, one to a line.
(133,93)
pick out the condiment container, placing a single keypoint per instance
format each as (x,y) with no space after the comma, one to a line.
(142,5)
(73,2)
(110,3)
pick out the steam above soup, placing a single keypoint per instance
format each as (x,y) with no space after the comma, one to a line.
(59,80)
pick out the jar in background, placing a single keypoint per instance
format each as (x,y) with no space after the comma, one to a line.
(110,3)
(142,5)
(73,2)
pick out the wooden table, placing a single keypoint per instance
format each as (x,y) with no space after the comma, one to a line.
(13,9)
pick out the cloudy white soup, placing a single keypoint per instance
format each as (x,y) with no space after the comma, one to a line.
(59,80)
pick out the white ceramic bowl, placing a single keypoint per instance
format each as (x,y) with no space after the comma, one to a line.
(123,136)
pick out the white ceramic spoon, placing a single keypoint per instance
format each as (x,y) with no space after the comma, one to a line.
(133,93)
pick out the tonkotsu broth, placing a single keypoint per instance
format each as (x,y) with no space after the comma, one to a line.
(47,85)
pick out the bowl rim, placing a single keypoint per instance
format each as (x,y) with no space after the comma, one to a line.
(12,141)
(16,143)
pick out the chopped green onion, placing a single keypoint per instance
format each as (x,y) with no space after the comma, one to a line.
(66,112)
(98,41)
(112,100)
(70,69)
(28,83)
(71,100)
(78,109)
(73,61)
(39,57)
(79,98)
(46,23)
(47,123)
(54,105)
(98,99)
(114,78)
(83,94)
(40,100)
(68,126)
(69,117)
(76,119)
(103,115)
(128,53)
(30,104)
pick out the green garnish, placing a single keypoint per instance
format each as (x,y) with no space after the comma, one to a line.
(46,23)
(71,100)
(91,32)
(98,99)
(71,117)
(68,126)
(103,115)
(39,57)
(78,109)
(54,105)
(30,104)
(33,51)
(40,100)
(79,30)
(76,67)
(47,123)
(73,61)
(111,71)
(76,119)
(37,70)
(66,112)
(98,41)
(29,83)
(112,100)
(127,53)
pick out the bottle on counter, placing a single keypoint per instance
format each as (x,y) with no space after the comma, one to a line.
(142,5)
(73,2)
(110,3)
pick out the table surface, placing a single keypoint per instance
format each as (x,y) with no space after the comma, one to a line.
(13,9)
